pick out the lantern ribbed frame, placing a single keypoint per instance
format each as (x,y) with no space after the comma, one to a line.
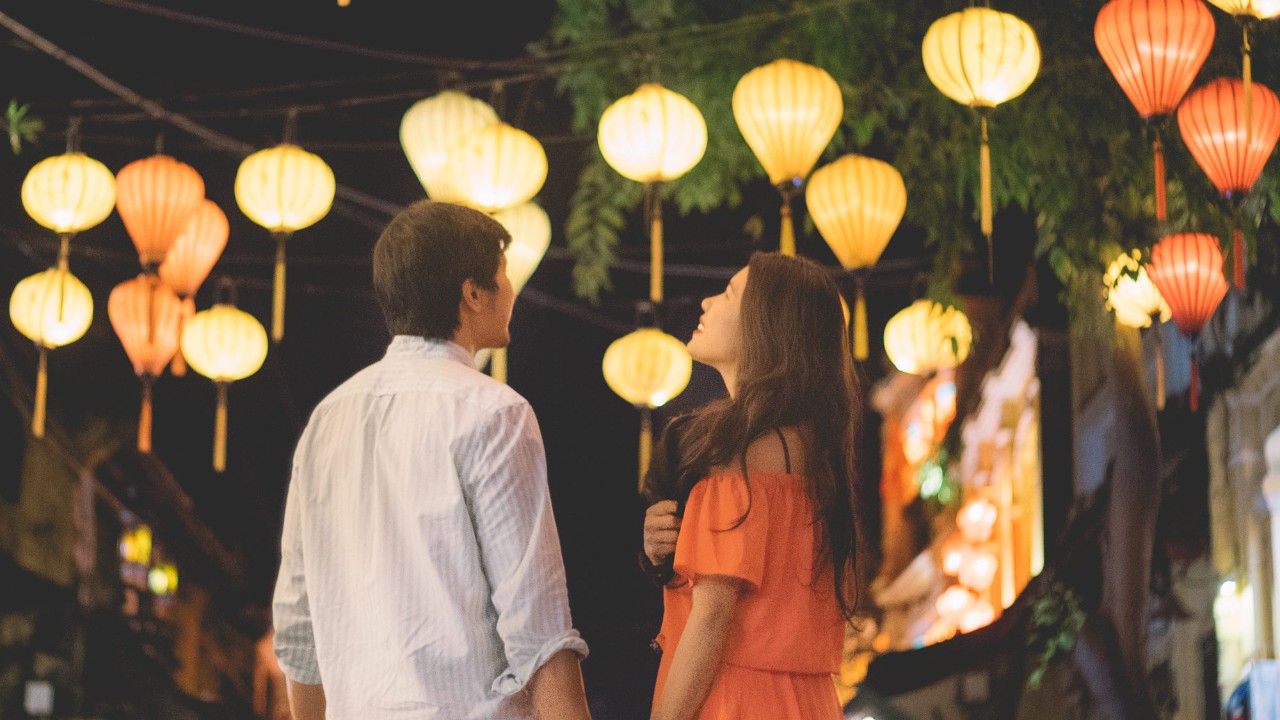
(224,343)
(196,250)
(857,203)
(647,367)
(146,316)
(284,188)
(156,197)
(1212,122)
(981,57)
(497,167)
(530,230)
(1260,9)
(652,135)
(1187,270)
(926,337)
(432,127)
(787,111)
(52,308)
(1154,48)
(69,193)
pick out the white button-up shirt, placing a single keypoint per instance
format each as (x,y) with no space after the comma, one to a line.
(420,573)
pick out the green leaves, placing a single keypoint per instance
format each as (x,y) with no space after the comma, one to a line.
(597,214)
(20,127)
(1056,619)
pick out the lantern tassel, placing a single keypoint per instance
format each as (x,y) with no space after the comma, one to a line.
(1160,390)
(277,304)
(42,389)
(1157,148)
(1247,72)
(144,417)
(179,365)
(498,364)
(220,430)
(984,158)
(1195,383)
(655,242)
(646,445)
(1237,257)
(860,349)
(787,243)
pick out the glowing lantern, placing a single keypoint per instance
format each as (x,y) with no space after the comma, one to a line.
(284,189)
(1247,12)
(432,127)
(787,111)
(52,309)
(69,193)
(224,344)
(978,615)
(980,57)
(647,368)
(1154,48)
(191,258)
(497,167)
(135,545)
(953,552)
(953,602)
(1138,304)
(652,135)
(163,579)
(857,203)
(1187,269)
(978,570)
(976,520)
(146,314)
(1213,124)
(926,337)
(530,230)
(156,197)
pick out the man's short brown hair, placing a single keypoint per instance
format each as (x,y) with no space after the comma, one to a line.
(421,260)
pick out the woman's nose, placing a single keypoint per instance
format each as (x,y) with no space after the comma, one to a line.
(705,301)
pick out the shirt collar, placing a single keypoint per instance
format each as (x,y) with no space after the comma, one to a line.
(425,347)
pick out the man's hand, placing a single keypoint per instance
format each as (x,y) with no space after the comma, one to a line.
(661,529)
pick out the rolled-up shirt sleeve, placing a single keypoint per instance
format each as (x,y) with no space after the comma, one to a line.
(504,473)
(294,642)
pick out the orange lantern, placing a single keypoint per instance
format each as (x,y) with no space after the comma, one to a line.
(155,197)
(976,520)
(1187,270)
(1154,48)
(1213,124)
(191,258)
(145,314)
(953,551)
(953,602)
(978,615)
(978,570)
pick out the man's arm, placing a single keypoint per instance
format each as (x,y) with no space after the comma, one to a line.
(293,642)
(306,702)
(556,688)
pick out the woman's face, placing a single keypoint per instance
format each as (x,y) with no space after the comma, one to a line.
(715,341)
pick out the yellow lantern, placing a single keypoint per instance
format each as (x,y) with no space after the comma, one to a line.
(163,579)
(432,127)
(1258,9)
(857,203)
(135,545)
(224,344)
(953,602)
(530,230)
(52,309)
(647,368)
(283,189)
(787,111)
(497,167)
(69,193)
(926,337)
(977,520)
(651,136)
(1138,304)
(981,57)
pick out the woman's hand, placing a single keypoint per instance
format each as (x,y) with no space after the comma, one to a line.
(661,529)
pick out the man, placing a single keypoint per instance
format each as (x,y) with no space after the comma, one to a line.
(421,574)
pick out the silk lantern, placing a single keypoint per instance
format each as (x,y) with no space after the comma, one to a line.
(926,337)
(976,520)
(647,368)
(981,57)
(1213,126)
(156,197)
(146,314)
(1154,48)
(69,194)
(191,258)
(284,189)
(652,136)
(787,112)
(496,167)
(1187,269)
(52,309)
(857,203)
(224,344)
(1138,304)
(530,230)
(953,602)
(1248,12)
(432,127)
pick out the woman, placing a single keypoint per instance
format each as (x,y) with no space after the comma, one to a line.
(764,563)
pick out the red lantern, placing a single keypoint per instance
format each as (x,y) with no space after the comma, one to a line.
(191,258)
(145,314)
(1154,48)
(155,197)
(1213,124)
(1187,270)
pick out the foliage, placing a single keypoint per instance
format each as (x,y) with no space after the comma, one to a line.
(19,127)
(1071,151)
(1056,619)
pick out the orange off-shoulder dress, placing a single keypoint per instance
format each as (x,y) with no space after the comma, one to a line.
(788,631)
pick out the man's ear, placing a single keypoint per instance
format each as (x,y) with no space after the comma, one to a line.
(471,296)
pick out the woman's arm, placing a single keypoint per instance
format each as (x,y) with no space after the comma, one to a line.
(697,659)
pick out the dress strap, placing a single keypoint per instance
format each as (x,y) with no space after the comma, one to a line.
(786,454)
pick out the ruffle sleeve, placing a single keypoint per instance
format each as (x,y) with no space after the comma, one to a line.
(724,530)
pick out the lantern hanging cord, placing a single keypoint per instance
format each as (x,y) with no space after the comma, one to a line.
(1247,72)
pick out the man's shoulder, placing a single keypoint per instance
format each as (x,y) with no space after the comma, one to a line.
(437,378)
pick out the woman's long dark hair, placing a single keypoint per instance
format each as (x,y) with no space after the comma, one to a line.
(795,369)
